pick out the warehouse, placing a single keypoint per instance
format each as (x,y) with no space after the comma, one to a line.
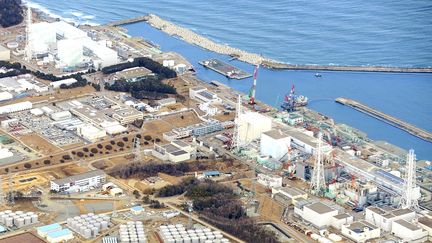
(166,102)
(408,232)
(90,132)
(59,236)
(5,96)
(318,214)
(127,115)
(208,127)
(4,53)
(57,84)
(79,183)
(132,74)
(21,106)
(274,143)
(426,224)
(252,125)
(61,115)
(361,231)
(203,95)
(384,217)
(44,230)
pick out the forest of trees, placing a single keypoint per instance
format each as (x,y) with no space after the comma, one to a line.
(11,13)
(149,88)
(144,170)
(219,205)
(157,68)
(19,70)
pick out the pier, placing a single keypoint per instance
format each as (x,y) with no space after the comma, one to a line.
(129,21)
(225,69)
(418,132)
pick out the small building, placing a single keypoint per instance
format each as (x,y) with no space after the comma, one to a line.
(44,230)
(208,174)
(274,143)
(384,217)
(341,219)
(137,210)
(61,115)
(116,191)
(166,102)
(90,132)
(79,183)
(318,214)
(408,232)
(132,74)
(170,152)
(4,53)
(293,119)
(127,115)
(2,229)
(59,236)
(57,84)
(361,231)
(426,224)
(36,112)
(208,127)
(289,194)
(269,181)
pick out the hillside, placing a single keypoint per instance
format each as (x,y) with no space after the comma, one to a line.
(11,13)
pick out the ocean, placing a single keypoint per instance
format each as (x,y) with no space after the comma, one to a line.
(394,33)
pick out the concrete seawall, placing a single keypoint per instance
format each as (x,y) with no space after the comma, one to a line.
(418,132)
(252,58)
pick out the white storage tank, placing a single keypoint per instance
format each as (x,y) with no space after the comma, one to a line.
(19,222)
(87,233)
(169,240)
(8,211)
(186,239)
(95,231)
(9,221)
(335,237)
(178,240)
(27,220)
(202,239)
(315,236)
(218,235)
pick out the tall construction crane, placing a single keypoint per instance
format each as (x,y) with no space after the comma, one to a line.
(252,91)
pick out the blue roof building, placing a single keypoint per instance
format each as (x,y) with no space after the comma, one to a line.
(44,230)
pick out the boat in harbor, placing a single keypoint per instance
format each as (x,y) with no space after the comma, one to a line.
(318,75)
(292,101)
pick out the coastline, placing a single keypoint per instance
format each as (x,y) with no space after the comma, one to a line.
(191,37)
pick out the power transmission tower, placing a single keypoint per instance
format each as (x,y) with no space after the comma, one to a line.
(410,189)
(137,150)
(190,209)
(318,179)
(28,51)
(2,196)
(236,143)
(10,193)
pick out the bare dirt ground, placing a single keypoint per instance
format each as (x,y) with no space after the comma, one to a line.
(39,144)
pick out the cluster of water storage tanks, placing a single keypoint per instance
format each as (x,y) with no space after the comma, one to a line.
(132,232)
(88,225)
(18,219)
(178,234)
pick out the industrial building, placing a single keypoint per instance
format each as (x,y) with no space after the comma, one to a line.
(201,94)
(361,231)
(4,53)
(127,115)
(426,223)
(174,152)
(251,125)
(69,43)
(207,127)
(89,225)
(269,181)
(289,195)
(318,214)
(90,132)
(5,96)
(408,232)
(178,233)
(307,144)
(166,102)
(5,153)
(79,183)
(98,119)
(274,143)
(44,230)
(21,106)
(341,219)
(384,217)
(59,236)
(22,83)
(61,115)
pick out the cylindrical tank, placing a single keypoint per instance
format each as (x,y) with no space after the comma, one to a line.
(19,222)
(82,230)
(9,221)
(186,239)
(324,240)
(87,233)
(210,236)
(104,225)
(170,240)
(77,217)
(124,239)
(202,238)
(30,213)
(95,231)
(98,225)
(218,235)
(225,240)
(314,236)
(195,239)
(178,240)
(27,220)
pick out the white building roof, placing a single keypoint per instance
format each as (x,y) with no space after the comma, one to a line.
(82,176)
(320,208)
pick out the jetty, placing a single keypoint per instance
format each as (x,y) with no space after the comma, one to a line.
(225,69)
(418,132)
(129,21)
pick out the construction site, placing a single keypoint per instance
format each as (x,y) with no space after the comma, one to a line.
(88,164)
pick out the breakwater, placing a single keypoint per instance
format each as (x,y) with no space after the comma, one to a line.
(193,38)
(418,132)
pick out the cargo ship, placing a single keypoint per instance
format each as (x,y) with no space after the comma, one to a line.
(292,101)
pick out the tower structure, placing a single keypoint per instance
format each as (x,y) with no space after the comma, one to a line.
(28,51)
(252,92)
(2,196)
(137,149)
(190,209)
(410,189)
(318,179)
(236,143)
(10,193)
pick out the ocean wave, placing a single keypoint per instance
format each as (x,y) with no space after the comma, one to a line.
(41,8)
